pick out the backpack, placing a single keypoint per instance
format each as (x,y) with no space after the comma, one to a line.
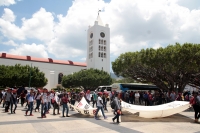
(197,101)
(112,104)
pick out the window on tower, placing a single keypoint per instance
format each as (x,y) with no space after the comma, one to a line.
(99,47)
(91,55)
(104,48)
(104,55)
(99,54)
(104,42)
(99,41)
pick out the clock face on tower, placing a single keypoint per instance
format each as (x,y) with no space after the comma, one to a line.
(91,35)
(102,34)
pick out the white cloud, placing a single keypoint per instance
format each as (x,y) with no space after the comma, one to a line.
(10,43)
(30,49)
(8,15)
(134,25)
(7,2)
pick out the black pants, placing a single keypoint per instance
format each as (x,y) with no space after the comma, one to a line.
(55,106)
(196,111)
(15,103)
(22,101)
(94,102)
(116,117)
(7,106)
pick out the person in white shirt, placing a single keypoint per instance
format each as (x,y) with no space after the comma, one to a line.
(56,103)
(44,103)
(30,100)
(137,96)
(38,100)
(100,106)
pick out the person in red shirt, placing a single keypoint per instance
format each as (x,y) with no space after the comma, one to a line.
(65,100)
(195,106)
(150,99)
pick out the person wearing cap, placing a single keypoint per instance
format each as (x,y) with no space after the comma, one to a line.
(30,100)
(100,106)
(44,103)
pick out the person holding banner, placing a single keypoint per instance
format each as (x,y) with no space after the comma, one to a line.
(100,106)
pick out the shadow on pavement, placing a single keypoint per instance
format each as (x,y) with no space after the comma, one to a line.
(129,117)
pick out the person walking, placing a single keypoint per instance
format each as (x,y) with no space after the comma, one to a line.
(14,101)
(100,106)
(117,108)
(38,100)
(8,96)
(44,103)
(194,102)
(94,99)
(65,100)
(56,103)
(30,100)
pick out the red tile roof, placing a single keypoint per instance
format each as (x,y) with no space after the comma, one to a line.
(45,60)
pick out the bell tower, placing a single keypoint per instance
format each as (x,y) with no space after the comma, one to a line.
(98,46)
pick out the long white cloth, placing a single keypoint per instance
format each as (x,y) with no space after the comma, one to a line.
(163,110)
(84,108)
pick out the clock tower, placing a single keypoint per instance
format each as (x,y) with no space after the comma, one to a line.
(98,46)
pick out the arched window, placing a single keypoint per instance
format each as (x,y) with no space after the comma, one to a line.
(104,48)
(99,41)
(104,55)
(99,54)
(104,42)
(99,47)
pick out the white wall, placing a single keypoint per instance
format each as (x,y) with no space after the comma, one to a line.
(51,70)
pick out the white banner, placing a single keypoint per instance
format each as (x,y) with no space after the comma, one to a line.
(157,111)
(84,108)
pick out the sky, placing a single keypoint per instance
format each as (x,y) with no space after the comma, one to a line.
(57,29)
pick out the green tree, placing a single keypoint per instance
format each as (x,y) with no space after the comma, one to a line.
(18,75)
(88,79)
(168,68)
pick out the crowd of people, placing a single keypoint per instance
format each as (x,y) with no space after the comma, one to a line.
(149,98)
(44,100)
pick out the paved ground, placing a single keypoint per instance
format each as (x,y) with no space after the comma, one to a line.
(19,123)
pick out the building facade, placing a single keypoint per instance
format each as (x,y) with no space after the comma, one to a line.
(98,57)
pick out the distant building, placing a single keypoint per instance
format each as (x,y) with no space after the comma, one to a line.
(98,57)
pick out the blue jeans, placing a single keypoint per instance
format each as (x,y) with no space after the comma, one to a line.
(100,108)
(49,106)
(30,107)
(67,109)
(44,109)
(38,102)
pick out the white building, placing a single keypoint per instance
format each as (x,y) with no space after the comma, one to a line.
(98,46)
(98,57)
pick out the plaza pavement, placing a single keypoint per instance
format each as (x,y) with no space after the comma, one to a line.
(77,123)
